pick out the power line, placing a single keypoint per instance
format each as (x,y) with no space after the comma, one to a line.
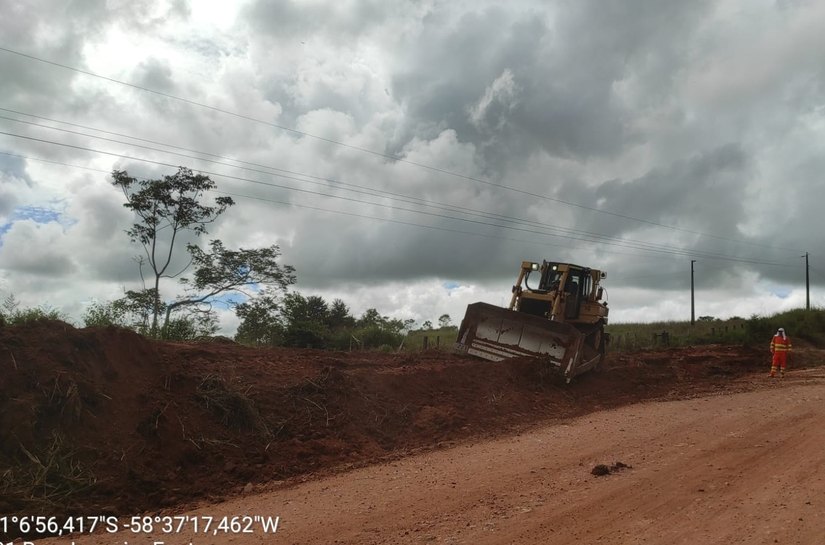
(677,252)
(338,212)
(358,189)
(30,158)
(589,236)
(373,152)
(819,273)
(364,216)
(160,163)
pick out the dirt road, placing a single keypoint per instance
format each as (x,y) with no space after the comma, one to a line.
(729,468)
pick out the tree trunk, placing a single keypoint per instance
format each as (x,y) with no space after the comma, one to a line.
(165,328)
(156,307)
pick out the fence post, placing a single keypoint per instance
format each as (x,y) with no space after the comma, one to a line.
(425,342)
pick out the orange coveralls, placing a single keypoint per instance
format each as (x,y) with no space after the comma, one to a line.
(780,346)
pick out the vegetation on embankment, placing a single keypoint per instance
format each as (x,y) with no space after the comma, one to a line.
(807,326)
(801,325)
(442,338)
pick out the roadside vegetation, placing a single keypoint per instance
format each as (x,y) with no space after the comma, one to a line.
(801,324)
(442,338)
(706,330)
(295,320)
(12,314)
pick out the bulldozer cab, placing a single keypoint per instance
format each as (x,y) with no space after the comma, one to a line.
(573,290)
(555,313)
(562,294)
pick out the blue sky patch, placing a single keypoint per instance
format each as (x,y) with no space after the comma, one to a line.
(229,299)
(782,292)
(38,214)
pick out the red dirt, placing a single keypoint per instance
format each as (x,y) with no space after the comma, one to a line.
(159,425)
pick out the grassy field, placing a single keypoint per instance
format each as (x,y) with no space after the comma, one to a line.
(421,339)
(632,336)
(800,324)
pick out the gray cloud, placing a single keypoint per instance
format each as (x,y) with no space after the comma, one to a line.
(341,21)
(701,193)
(702,116)
(56,33)
(13,178)
(29,248)
(565,59)
(155,74)
(14,167)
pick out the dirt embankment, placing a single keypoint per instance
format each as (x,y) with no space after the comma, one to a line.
(104,421)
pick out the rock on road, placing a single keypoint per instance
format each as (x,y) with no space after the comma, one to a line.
(737,468)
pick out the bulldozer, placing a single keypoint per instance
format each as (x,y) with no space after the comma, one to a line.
(560,319)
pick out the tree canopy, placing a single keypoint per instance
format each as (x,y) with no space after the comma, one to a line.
(312,322)
(169,210)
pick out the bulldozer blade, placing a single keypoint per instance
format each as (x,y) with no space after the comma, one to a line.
(496,333)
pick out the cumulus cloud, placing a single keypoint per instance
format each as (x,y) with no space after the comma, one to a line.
(491,109)
(29,249)
(390,148)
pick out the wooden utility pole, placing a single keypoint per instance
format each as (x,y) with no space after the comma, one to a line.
(692,307)
(807,284)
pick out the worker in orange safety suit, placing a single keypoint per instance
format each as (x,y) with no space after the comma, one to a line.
(780,346)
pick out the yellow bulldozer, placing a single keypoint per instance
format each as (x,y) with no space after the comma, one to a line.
(560,318)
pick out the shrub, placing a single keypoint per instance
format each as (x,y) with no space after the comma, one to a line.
(104,314)
(12,314)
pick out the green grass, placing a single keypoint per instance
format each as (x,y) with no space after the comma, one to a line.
(443,339)
(31,315)
(632,336)
(800,324)
(807,325)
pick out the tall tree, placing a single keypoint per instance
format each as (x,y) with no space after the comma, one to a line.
(165,209)
(304,320)
(261,322)
(376,330)
(339,315)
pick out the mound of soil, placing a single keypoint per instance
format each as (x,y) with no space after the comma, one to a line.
(104,421)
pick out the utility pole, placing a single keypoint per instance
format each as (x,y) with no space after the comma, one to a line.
(807,284)
(692,307)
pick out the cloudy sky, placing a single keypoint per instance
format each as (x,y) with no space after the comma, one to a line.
(408,155)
